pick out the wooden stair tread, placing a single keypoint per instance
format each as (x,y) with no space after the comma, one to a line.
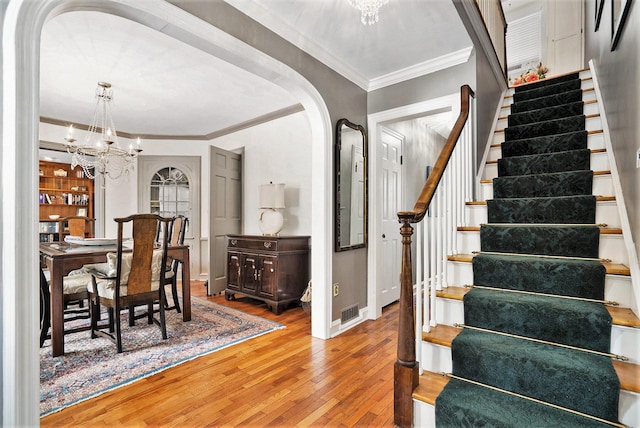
(429,387)
(624,317)
(628,373)
(620,316)
(612,268)
(603,230)
(599,198)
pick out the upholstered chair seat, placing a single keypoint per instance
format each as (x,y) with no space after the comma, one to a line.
(106,287)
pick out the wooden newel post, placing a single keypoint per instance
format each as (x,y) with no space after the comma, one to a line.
(405,370)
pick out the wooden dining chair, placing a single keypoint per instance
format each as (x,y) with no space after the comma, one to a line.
(134,278)
(178,229)
(74,292)
(78,226)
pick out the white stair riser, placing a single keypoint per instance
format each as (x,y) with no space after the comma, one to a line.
(436,358)
(628,408)
(602,186)
(611,246)
(424,415)
(449,311)
(606,213)
(617,288)
(623,339)
(594,142)
(599,162)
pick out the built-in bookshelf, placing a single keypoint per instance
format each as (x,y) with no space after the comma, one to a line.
(63,192)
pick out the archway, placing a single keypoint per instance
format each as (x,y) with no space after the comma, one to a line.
(23,24)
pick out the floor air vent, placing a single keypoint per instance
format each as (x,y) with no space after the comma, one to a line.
(349,313)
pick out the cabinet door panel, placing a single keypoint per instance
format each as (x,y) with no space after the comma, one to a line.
(235,271)
(269,276)
(250,269)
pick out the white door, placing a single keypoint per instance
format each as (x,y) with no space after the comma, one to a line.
(391,199)
(225,211)
(357,194)
(565,41)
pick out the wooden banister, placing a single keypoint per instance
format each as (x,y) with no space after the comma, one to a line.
(406,367)
(429,188)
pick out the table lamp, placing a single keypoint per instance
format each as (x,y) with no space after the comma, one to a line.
(271,199)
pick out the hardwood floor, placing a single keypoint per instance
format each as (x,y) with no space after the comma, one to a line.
(285,378)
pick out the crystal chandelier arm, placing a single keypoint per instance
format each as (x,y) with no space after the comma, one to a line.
(101,152)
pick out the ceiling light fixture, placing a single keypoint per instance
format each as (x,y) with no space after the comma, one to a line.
(101,153)
(369,9)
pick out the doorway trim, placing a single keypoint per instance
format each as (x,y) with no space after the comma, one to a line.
(374,123)
(21,31)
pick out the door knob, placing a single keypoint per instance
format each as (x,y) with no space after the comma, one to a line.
(384,236)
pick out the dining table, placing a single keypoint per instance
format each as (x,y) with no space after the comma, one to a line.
(62,257)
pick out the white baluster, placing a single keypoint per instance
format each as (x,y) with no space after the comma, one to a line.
(455,191)
(438,212)
(426,275)
(418,296)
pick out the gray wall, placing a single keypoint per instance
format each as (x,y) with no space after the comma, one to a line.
(342,97)
(619,77)
(488,87)
(424,88)
(3,7)
(345,99)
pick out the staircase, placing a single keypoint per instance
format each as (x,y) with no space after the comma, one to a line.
(535,341)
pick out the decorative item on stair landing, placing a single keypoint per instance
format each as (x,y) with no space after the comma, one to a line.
(532,75)
(534,349)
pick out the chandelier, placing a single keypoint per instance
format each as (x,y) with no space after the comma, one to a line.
(101,153)
(369,9)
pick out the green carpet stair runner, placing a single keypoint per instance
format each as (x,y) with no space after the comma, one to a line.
(546,144)
(548,351)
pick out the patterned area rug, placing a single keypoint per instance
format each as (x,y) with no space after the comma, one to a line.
(91,367)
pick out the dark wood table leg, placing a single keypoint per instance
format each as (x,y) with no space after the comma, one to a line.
(57,308)
(186,286)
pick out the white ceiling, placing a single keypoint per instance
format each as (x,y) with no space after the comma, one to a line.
(164,87)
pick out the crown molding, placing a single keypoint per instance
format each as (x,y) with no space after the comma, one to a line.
(421,69)
(293,36)
(296,108)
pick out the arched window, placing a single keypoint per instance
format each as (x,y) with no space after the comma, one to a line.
(170,193)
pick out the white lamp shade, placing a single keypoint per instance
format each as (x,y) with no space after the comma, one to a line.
(271,196)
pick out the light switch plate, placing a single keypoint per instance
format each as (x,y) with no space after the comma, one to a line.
(638,159)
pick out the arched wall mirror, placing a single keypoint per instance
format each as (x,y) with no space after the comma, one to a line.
(350,186)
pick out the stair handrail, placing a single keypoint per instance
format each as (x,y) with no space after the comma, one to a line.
(424,199)
(406,367)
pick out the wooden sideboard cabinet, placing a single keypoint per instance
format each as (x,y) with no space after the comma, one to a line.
(274,269)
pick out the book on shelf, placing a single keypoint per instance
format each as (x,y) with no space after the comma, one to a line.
(46,195)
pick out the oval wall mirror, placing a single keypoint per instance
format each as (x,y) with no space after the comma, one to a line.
(350,186)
